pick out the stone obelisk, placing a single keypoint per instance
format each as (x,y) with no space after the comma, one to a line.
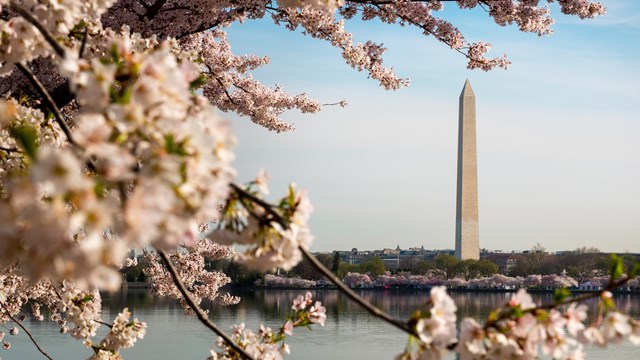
(467,234)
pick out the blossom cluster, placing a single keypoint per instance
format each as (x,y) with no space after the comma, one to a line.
(496,281)
(75,310)
(271,280)
(122,334)
(230,88)
(362,57)
(522,330)
(190,265)
(357,280)
(83,311)
(22,41)
(146,162)
(272,235)
(435,327)
(267,344)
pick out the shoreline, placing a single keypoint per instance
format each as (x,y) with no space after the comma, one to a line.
(138,285)
(426,289)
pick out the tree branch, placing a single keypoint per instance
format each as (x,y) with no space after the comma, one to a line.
(154,9)
(428,31)
(33,340)
(386,2)
(45,33)
(577,299)
(265,205)
(84,42)
(202,316)
(10,149)
(326,272)
(611,286)
(48,100)
(355,297)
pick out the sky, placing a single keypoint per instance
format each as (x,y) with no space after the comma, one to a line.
(557,134)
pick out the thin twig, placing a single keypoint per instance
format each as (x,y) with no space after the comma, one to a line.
(45,33)
(611,286)
(9,149)
(33,340)
(225,90)
(388,2)
(432,33)
(265,205)
(152,10)
(202,316)
(104,323)
(55,290)
(48,100)
(506,311)
(326,272)
(355,297)
(333,104)
(84,42)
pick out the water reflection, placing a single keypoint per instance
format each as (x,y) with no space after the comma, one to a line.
(350,331)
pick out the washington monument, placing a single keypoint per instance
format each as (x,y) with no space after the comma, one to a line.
(467,235)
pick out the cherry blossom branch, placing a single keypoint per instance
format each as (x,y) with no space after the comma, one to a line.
(9,149)
(326,272)
(83,46)
(342,103)
(202,316)
(610,286)
(226,92)
(33,340)
(201,28)
(387,2)
(355,297)
(45,33)
(104,323)
(577,299)
(48,100)
(265,205)
(427,30)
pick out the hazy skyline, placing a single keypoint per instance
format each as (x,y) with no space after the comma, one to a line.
(558,155)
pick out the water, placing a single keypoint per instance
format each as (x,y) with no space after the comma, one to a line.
(350,332)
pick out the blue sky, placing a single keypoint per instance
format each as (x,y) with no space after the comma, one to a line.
(558,149)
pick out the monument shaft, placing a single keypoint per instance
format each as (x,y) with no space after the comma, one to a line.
(467,234)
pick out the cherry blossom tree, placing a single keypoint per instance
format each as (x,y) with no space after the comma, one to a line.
(356,280)
(111,138)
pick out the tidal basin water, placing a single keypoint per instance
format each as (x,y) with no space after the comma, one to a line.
(350,332)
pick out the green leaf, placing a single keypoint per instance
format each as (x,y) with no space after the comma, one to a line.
(517,311)
(608,303)
(173,147)
(617,266)
(201,80)
(560,295)
(100,188)
(78,30)
(292,196)
(635,270)
(26,136)
(542,315)
(125,95)
(115,54)
(122,96)
(494,315)
(419,314)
